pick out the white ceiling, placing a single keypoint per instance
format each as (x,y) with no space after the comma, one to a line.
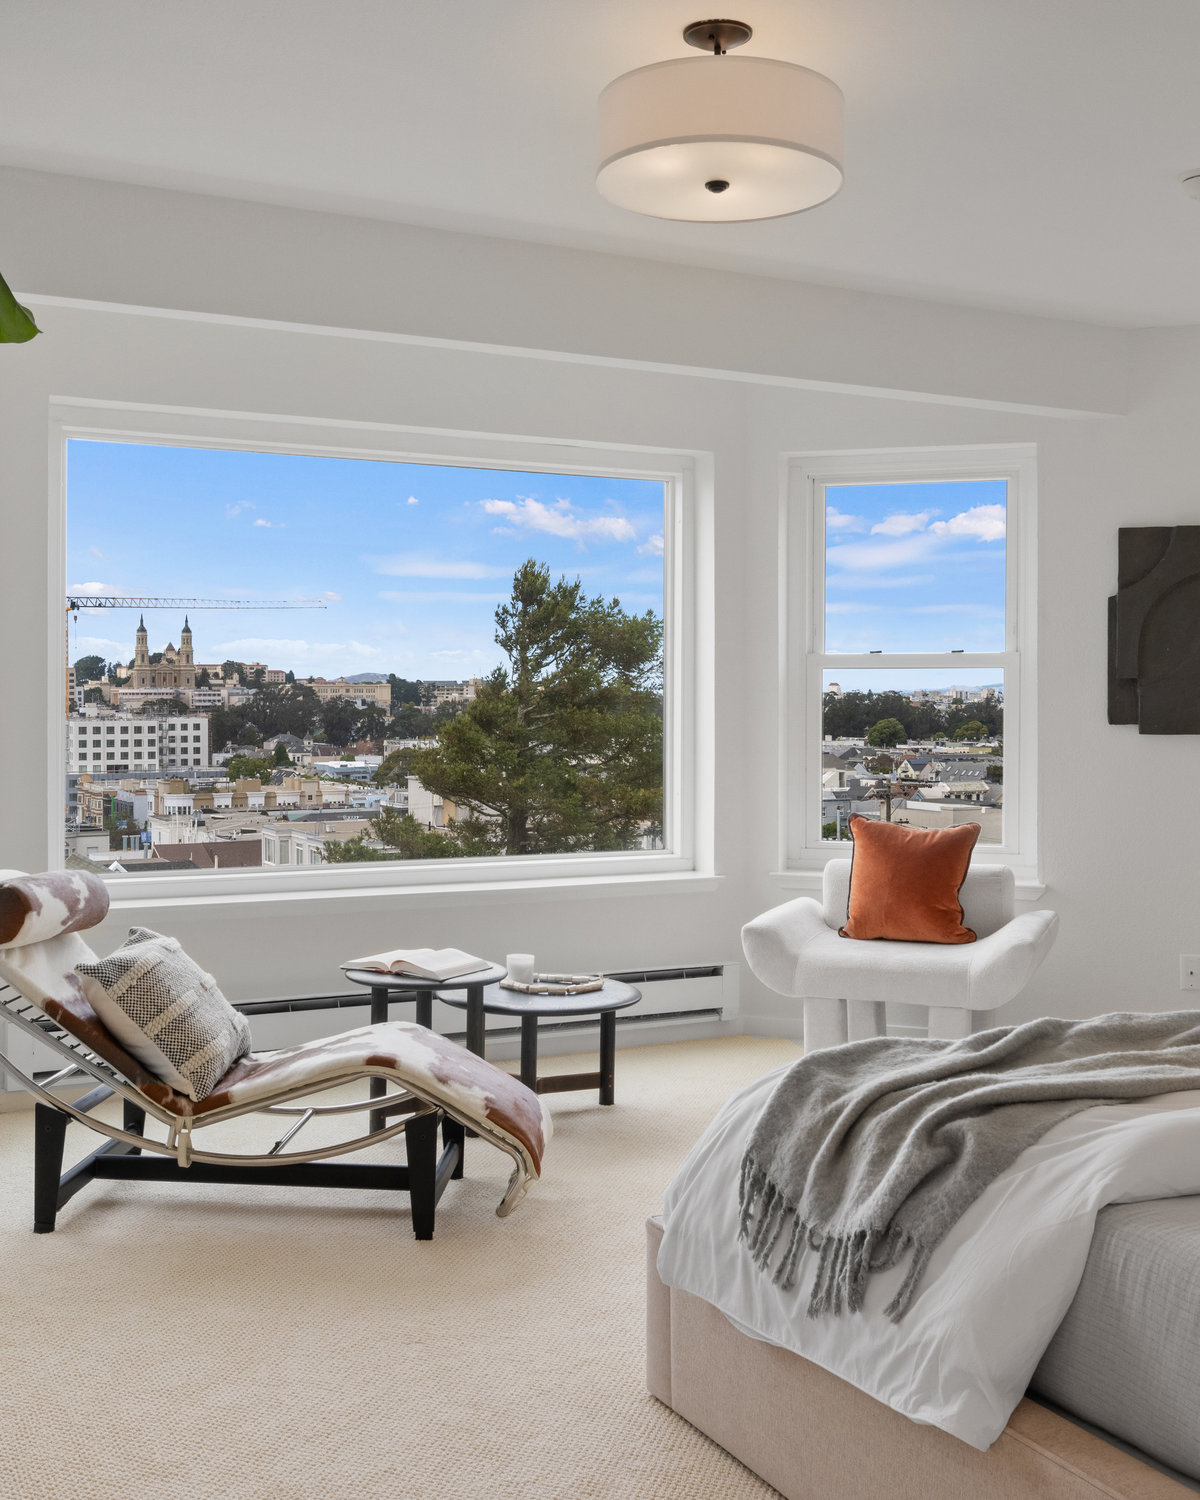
(1014,154)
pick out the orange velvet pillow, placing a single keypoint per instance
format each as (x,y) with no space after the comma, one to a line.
(904,882)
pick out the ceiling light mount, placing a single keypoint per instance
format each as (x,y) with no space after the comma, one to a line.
(717,37)
(719,139)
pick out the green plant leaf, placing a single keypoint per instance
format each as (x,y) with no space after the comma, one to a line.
(16,322)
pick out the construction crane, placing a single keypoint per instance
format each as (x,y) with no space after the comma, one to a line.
(77,602)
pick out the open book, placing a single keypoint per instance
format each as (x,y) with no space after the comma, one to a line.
(421,963)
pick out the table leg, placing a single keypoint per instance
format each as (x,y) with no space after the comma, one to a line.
(377,1086)
(608,1056)
(425,1009)
(529,1052)
(475,1018)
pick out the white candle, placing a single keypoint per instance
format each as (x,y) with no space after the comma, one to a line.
(520,967)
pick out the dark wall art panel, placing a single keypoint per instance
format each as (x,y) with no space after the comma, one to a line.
(1154,630)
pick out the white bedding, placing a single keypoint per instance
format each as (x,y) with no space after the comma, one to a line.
(996,1287)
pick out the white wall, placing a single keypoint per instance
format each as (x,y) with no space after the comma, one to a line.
(1126,884)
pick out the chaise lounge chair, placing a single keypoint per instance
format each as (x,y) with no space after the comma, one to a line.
(41,917)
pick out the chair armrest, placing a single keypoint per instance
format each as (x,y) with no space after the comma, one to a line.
(1003,963)
(774,942)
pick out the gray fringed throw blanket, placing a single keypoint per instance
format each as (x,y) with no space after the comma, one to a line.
(871,1152)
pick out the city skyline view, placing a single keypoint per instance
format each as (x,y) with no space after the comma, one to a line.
(410,560)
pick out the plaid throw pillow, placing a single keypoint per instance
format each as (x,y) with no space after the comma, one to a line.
(166,1011)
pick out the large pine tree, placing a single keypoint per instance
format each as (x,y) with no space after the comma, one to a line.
(563,748)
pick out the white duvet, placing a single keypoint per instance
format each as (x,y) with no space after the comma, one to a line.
(996,1287)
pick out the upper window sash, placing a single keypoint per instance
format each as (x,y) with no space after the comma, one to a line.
(806,660)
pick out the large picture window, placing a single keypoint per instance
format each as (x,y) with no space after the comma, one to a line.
(910,647)
(285,659)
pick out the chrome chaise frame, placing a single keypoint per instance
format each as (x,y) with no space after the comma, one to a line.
(424,1176)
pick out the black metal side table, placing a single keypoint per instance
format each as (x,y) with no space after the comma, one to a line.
(385,988)
(605,1002)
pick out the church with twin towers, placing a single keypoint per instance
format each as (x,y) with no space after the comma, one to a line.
(175,673)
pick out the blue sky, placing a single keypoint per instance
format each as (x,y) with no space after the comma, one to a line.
(410,560)
(915,568)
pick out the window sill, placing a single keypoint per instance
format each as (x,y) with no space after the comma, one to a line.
(385,897)
(808,883)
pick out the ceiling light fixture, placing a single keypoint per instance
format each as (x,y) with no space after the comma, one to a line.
(720,139)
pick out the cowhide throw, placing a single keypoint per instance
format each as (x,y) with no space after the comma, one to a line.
(34,908)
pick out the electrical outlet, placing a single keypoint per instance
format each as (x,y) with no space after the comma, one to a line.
(1189,971)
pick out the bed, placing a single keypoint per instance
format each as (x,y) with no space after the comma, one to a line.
(974,1397)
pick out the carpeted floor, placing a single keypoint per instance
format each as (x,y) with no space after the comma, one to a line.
(218,1343)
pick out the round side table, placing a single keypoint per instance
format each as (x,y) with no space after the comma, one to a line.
(388,987)
(605,1002)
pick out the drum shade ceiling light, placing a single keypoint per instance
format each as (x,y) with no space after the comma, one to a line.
(720,139)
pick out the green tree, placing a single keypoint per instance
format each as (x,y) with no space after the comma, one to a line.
(289,677)
(394,769)
(373,722)
(409,723)
(971,730)
(339,719)
(170,708)
(562,749)
(250,735)
(403,837)
(403,691)
(242,766)
(995,771)
(231,671)
(831,831)
(89,669)
(202,677)
(93,695)
(886,732)
(280,756)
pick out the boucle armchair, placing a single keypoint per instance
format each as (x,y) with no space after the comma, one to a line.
(844,984)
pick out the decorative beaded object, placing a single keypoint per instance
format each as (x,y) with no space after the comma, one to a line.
(556,984)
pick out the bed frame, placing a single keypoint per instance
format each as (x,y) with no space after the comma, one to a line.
(815,1437)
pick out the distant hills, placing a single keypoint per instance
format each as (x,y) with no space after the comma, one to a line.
(368,677)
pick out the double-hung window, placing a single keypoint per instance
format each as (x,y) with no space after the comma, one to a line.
(910,620)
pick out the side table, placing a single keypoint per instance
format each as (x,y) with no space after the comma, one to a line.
(605,1002)
(386,988)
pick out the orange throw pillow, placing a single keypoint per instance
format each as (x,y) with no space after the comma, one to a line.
(904,882)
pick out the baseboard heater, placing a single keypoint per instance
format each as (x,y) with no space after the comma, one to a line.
(687,992)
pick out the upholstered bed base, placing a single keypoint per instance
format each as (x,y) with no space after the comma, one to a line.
(814,1437)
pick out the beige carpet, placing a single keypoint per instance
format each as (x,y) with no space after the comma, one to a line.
(218,1343)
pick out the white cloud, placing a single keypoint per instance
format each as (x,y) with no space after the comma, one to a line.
(96,552)
(412,565)
(238,507)
(330,595)
(412,500)
(836,520)
(984,522)
(901,523)
(559,519)
(877,581)
(94,586)
(872,557)
(274,525)
(652,547)
(99,645)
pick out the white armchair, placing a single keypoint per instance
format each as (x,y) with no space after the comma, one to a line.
(844,982)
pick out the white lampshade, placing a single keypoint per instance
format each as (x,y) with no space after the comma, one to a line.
(771,130)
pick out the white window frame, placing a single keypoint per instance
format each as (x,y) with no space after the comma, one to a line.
(802,851)
(688,861)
